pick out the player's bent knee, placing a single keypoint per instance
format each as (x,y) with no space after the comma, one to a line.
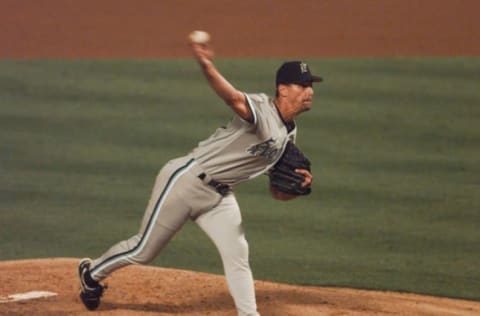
(142,258)
(236,255)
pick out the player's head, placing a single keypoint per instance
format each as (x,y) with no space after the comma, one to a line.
(294,85)
(295,72)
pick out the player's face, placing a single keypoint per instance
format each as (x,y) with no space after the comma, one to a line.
(301,96)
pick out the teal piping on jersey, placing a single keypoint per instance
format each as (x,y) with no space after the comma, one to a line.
(151,223)
(252,109)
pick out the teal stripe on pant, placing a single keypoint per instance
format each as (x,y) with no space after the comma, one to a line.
(148,230)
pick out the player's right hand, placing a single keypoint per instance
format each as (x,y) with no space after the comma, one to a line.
(202,52)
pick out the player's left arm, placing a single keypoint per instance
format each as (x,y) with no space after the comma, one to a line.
(224,89)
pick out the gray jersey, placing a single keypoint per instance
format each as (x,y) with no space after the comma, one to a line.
(243,150)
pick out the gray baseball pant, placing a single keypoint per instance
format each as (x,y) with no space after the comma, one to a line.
(177,196)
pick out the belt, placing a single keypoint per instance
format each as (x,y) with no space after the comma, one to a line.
(221,188)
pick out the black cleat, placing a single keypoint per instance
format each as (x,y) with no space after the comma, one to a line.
(90,290)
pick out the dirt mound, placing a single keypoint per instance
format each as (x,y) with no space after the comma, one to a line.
(142,290)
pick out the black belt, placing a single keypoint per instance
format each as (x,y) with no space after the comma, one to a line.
(221,188)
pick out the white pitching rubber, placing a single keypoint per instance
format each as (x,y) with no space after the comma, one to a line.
(26,296)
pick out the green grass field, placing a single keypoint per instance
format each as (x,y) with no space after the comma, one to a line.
(395,146)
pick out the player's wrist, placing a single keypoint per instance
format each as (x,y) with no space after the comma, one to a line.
(205,63)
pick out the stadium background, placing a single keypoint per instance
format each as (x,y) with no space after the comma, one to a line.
(93,93)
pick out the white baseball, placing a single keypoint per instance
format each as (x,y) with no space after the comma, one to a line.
(199,37)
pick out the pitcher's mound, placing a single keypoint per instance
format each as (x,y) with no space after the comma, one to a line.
(140,290)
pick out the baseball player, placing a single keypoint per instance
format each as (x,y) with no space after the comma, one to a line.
(199,186)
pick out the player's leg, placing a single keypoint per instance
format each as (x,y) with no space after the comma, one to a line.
(165,214)
(223,224)
(159,225)
(178,194)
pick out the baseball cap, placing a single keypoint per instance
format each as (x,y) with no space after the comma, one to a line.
(295,72)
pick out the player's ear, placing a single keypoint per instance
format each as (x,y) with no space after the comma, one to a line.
(282,90)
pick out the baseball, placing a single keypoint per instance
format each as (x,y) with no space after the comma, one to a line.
(199,37)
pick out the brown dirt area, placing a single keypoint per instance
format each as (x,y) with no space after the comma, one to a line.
(304,28)
(143,290)
(246,28)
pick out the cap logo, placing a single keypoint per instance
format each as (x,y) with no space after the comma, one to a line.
(303,67)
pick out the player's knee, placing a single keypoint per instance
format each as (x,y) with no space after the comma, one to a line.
(239,248)
(142,258)
(236,255)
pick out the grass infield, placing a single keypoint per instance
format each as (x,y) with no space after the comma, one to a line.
(395,146)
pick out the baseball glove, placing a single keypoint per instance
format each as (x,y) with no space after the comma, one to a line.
(283,176)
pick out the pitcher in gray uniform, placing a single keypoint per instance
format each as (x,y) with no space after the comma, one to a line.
(199,186)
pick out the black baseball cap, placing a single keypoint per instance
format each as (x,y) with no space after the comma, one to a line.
(295,72)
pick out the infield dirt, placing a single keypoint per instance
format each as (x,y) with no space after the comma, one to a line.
(249,28)
(142,290)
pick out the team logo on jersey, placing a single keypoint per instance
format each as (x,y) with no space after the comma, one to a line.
(267,149)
